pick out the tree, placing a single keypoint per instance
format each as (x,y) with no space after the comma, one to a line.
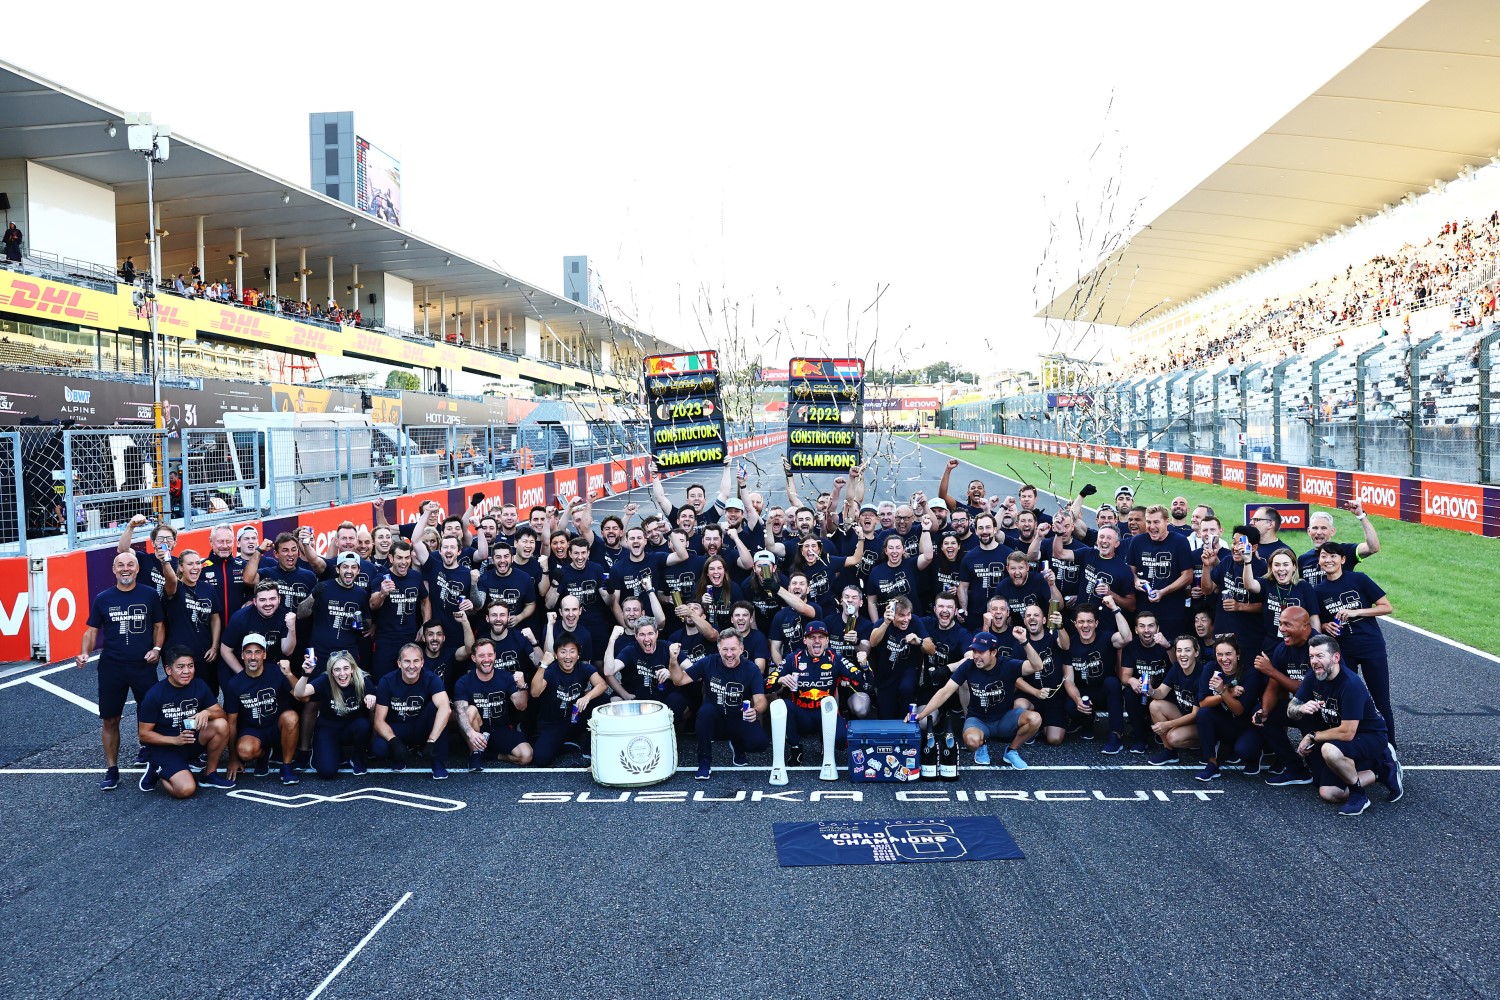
(399,379)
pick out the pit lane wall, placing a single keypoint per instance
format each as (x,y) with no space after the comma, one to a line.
(44,600)
(1455,506)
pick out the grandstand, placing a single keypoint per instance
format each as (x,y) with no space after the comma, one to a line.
(1380,364)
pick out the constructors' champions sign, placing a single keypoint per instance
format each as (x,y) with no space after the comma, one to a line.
(825,413)
(894,841)
(687,414)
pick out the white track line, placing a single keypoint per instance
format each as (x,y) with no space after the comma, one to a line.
(43,673)
(1455,644)
(418,772)
(359,947)
(36,680)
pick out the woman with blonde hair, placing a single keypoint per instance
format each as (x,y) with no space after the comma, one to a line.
(345,697)
(1282,587)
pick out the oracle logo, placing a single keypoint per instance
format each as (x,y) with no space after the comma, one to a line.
(1174,465)
(1448,505)
(1272,480)
(1379,496)
(1203,470)
(1233,474)
(1318,487)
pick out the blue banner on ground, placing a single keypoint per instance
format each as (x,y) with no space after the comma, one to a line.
(893,841)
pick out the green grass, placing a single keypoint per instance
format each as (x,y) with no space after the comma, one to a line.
(1435,578)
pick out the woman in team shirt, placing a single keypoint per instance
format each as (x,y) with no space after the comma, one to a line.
(1282,587)
(715,592)
(345,697)
(946,569)
(1174,703)
(1227,700)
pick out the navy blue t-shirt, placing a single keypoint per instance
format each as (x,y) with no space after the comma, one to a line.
(894,655)
(406,703)
(340,615)
(490,697)
(787,629)
(591,587)
(166,705)
(629,578)
(1149,663)
(399,616)
(125,621)
(992,692)
(189,614)
(1343,697)
(1022,596)
(352,705)
(983,570)
(1278,599)
(1185,687)
(512,653)
(763,595)
(1307,562)
(294,585)
(725,686)
(248,620)
(515,589)
(949,646)
(1091,661)
(257,701)
(1352,591)
(1114,572)
(447,589)
(1246,626)
(1160,564)
(885,583)
(562,689)
(638,670)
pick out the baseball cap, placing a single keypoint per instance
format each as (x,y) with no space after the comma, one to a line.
(869,507)
(1109,507)
(248,529)
(765,557)
(984,642)
(815,627)
(253,639)
(1126,491)
(734,503)
(936,504)
(347,557)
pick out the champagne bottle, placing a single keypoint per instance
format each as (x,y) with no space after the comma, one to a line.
(930,755)
(948,758)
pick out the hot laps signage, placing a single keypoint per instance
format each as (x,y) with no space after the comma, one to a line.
(687,416)
(825,411)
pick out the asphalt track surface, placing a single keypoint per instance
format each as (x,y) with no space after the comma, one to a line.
(1137,881)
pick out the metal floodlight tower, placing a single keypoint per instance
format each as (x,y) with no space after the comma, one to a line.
(154,142)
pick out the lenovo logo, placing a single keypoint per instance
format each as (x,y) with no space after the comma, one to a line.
(1174,465)
(1234,474)
(1203,470)
(534,496)
(1271,480)
(1378,496)
(1448,505)
(1318,487)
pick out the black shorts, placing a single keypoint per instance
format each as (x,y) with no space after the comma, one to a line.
(169,760)
(116,682)
(503,740)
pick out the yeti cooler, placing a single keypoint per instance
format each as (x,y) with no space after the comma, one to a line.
(880,750)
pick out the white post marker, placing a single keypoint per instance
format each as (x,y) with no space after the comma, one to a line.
(830,709)
(778,742)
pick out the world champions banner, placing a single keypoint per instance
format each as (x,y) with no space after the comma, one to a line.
(825,414)
(687,414)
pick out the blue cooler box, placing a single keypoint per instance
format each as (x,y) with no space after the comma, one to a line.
(881,750)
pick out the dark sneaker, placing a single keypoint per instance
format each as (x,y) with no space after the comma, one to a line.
(1232,762)
(215,780)
(740,760)
(476,762)
(793,756)
(303,760)
(262,766)
(1210,772)
(982,755)
(148,778)
(1113,745)
(1357,804)
(1252,766)
(358,766)
(140,756)
(1139,746)
(1289,777)
(704,770)
(289,775)
(111,780)
(1164,757)
(1087,731)
(1394,779)
(439,772)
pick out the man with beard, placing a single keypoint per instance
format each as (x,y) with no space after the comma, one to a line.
(486,701)
(293,581)
(808,675)
(338,609)
(983,570)
(499,582)
(974,500)
(1344,738)
(265,617)
(1285,668)
(992,712)
(398,614)
(1177,522)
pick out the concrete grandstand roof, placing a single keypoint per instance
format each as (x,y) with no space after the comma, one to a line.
(1418,107)
(51,125)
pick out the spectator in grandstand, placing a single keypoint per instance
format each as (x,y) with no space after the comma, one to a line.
(1320,529)
(1344,739)
(127,271)
(1348,603)
(127,627)
(344,696)
(485,703)
(734,698)
(177,720)
(14,238)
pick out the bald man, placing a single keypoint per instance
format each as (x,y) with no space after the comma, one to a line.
(1284,667)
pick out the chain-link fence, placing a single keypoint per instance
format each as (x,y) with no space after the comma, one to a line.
(111,475)
(1394,405)
(221,474)
(12,496)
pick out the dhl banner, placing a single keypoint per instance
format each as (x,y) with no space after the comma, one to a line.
(24,295)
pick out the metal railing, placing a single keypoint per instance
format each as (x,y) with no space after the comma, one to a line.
(221,474)
(1421,407)
(12,496)
(111,475)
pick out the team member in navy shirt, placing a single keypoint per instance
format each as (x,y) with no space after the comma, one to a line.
(1345,741)
(1163,563)
(344,696)
(898,575)
(177,719)
(1174,703)
(1225,709)
(586,581)
(730,681)
(293,580)
(194,615)
(258,704)
(992,712)
(566,690)
(500,581)
(1104,568)
(1144,663)
(398,616)
(983,570)
(163,540)
(411,709)
(1280,588)
(1091,662)
(1238,614)
(339,609)
(950,640)
(1349,602)
(448,584)
(1320,529)
(126,625)
(1284,668)
(485,703)
(898,646)
(263,616)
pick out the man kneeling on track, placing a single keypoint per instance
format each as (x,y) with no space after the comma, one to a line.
(177,717)
(734,697)
(1347,747)
(807,676)
(482,703)
(411,708)
(261,712)
(993,711)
